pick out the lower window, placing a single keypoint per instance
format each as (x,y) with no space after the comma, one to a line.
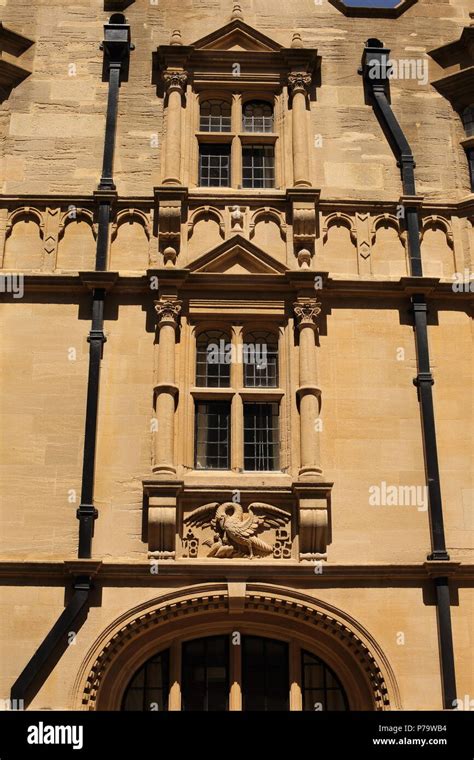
(205,674)
(322,690)
(261,437)
(258,166)
(149,688)
(214,165)
(265,676)
(212,435)
(257,668)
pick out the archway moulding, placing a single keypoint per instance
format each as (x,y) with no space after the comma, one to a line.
(213,608)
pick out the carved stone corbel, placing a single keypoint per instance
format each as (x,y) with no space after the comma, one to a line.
(169,215)
(161,502)
(313,520)
(305,225)
(313,533)
(161,531)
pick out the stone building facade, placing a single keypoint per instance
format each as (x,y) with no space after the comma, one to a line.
(240,355)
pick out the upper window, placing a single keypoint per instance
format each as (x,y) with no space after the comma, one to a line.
(228,374)
(212,367)
(377,8)
(260,354)
(257,116)
(371,3)
(237,143)
(215,116)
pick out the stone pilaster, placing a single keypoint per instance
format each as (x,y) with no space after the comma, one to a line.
(165,390)
(175,83)
(309,394)
(298,84)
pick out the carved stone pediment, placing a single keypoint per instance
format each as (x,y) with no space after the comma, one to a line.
(237,35)
(263,59)
(237,256)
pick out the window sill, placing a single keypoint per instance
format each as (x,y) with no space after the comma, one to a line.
(205,393)
(215,137)
(258,138)
(247,394)
(261,394)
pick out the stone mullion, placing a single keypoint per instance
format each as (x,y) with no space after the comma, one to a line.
(236,147)
(174,698)
(296,693)
(237,408)
(235,677)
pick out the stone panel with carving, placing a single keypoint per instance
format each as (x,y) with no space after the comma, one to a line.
(226,531)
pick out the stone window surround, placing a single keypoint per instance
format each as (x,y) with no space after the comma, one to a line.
(236,137)
(236,393)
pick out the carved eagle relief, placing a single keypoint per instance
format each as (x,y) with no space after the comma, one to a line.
(235,532)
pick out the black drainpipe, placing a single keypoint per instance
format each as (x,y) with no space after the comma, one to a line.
(31,678)
(375,70)
(116,48)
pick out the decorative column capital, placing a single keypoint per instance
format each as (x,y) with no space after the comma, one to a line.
(168,312)
(175,81)
(299,82)
(306,312)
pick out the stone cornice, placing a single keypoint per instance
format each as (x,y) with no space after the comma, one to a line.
(458,88)
(451,53)
(244,197)
(198,570)
(286,283)
(13,43)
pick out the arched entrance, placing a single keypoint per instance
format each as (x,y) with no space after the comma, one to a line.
(327,660)
(257,676)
